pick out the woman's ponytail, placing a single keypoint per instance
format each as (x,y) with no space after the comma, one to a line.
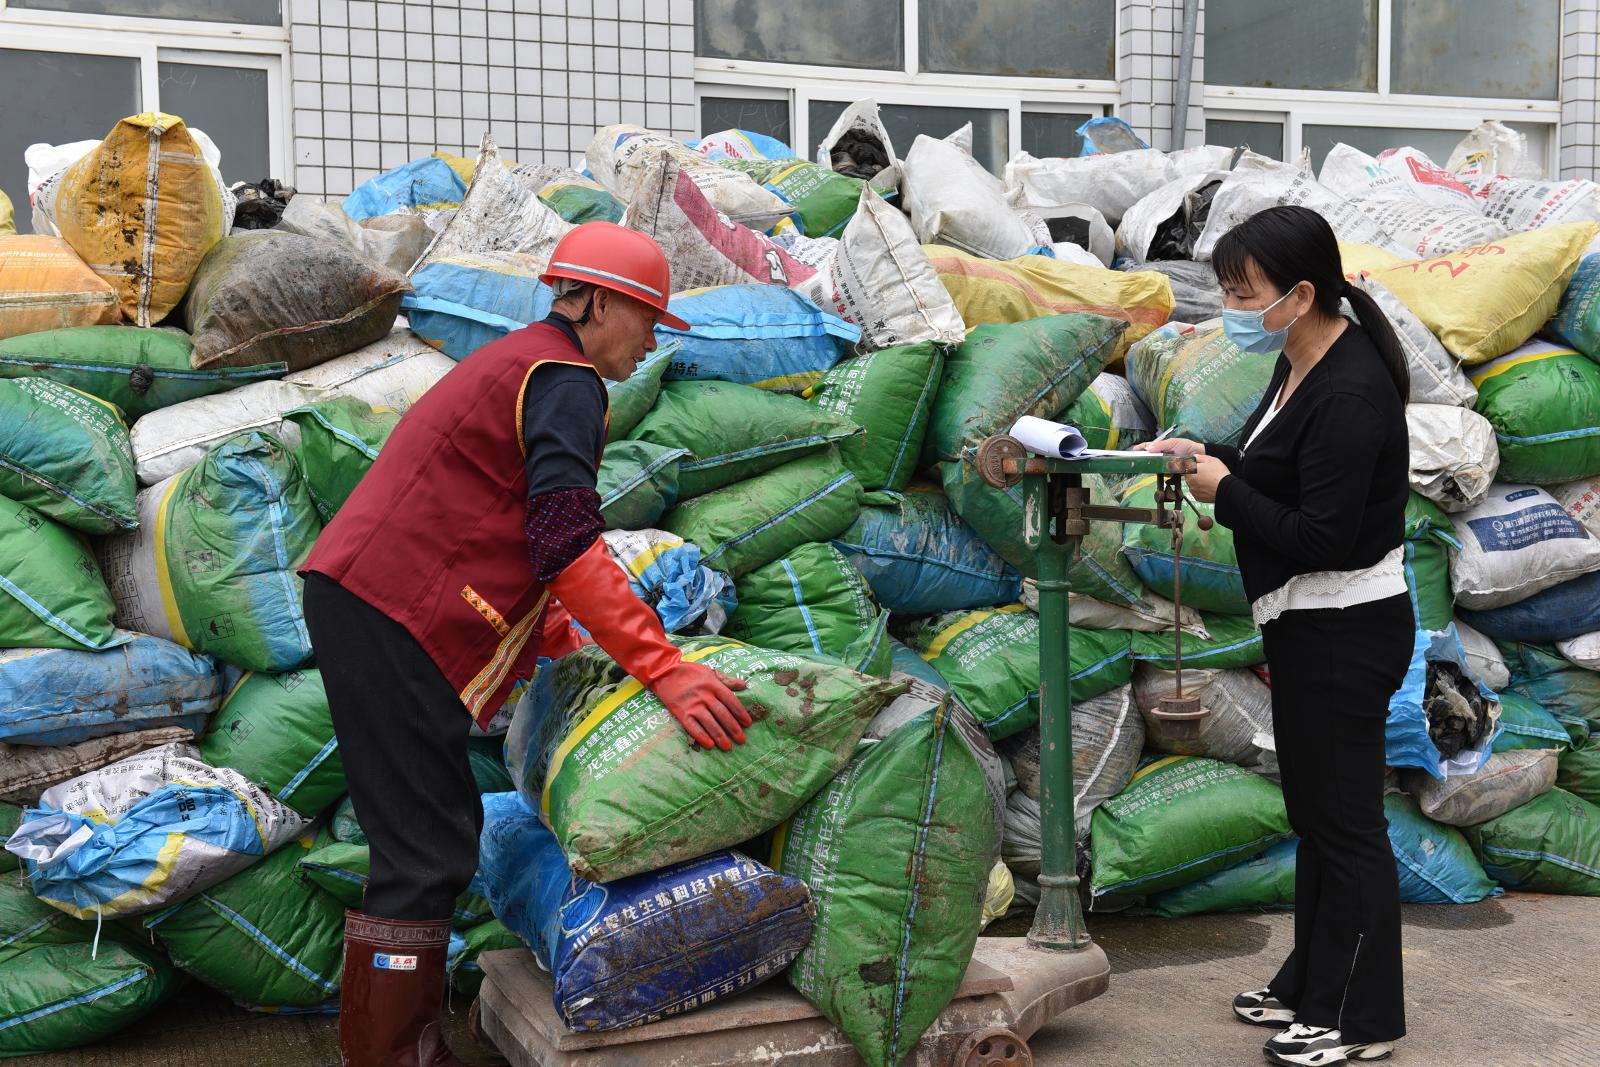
(1387,342)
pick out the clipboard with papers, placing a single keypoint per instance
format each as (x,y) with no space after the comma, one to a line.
(1060,441)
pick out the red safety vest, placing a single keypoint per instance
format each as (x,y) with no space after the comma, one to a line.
(433,536)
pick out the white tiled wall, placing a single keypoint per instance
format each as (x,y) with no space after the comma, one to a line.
(380,82)
(1149,39)
(1580,89)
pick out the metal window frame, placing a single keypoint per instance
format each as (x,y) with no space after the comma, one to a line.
(151,40)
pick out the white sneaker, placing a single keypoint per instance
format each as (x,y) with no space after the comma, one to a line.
(1319,1046)
(1261,1008)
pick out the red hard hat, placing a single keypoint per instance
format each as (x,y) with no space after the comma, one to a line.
(616,258)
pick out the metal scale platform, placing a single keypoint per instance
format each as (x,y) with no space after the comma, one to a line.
(1013,985)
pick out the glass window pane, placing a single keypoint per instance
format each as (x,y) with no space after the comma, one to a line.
(57,97)
(832,33)
(230,105)
(1049,133)
(770,117)
(991,139)
(1436,144)
(1332,44)
(1263,137)
(1506,50)
(1022,38)
(249,12)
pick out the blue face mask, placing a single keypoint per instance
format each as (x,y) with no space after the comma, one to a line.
(1248,329)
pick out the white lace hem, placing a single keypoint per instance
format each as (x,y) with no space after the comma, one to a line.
(1334,589)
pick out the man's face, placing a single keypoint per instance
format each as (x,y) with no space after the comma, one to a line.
(624,334)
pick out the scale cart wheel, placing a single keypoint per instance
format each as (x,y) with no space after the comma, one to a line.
(994,1047)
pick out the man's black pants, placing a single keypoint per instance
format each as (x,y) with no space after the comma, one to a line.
(1333,672)
(403,738)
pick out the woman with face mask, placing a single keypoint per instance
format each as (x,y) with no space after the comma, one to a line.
(1315,497)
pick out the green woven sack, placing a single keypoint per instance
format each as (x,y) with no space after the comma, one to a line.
(1100,569)
(275,730)
(813,601)
(344,824)
(823,199)
(26,922)
(625,790)
(212,565)
(66,453)
(1549,845)
(1263,882)
(1000,373)
(990,658)
(1578,769)
(51,591)
(1429,538)
(1209,568)
(897,851)
(1544,403)
(1109,414)
(10,819)
(466,976)
(1197,382)
(1180,819)
(339,439)
(890,394)
(1568,692)
(139,370)
(638,482)
(755,522)
(1235,642)
(733,432)
(1528,726)
(633,397)
(266,938)
(56,997)
(342,869)
(579,203)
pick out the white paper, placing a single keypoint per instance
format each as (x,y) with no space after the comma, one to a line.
(1060,441)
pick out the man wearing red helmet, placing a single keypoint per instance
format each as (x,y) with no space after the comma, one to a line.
(426,596)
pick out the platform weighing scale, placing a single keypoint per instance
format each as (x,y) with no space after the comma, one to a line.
(1013,985)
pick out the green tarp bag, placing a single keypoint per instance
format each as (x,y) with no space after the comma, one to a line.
(1578,768)
(66,454)
(266,938)
(757,521)
(466,976)
(733,432)
(1549,845)
(990,659)
(212,565)
(890,394)
(813,601)
(1000,373)
(1264,883)
(580,202)
(10,819)
(638,482)
(1209,569)
(625,790)
(1197,382)
(1568,692)
(1100,569)
(1180,819)
(344,824)
(823,199)
(275,730)
(139,370)
(632,398)
(1235,642)
(1544,403)
(897,850)
(52,594)
(339,439)
(1430,536)
(1109,414)
(342,869)
(1528,726)
(61,996)
(26,922)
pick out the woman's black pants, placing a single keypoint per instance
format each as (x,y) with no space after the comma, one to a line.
(1333,672)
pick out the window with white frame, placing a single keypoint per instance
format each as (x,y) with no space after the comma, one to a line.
(1377,74)
(69,69)
(1025,73)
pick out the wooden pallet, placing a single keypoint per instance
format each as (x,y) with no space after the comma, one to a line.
(1009,991)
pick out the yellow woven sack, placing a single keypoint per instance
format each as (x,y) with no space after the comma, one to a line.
(991,292)
(8,221)
(45,286)
(142,209)
(1358,257)
(1483,302)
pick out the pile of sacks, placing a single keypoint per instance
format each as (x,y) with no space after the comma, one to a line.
(786,484)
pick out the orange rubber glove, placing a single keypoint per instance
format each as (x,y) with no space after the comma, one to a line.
(596,593)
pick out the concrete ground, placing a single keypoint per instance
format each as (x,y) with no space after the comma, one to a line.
(1510,982)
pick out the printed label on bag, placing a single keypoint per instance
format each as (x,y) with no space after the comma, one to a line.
(383,961)
(1521,529)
